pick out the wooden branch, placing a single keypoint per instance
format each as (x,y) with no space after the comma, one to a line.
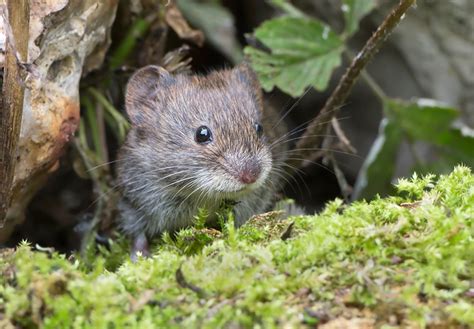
(13,90)
(312,136)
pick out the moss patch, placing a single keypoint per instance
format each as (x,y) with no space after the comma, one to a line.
(400,261)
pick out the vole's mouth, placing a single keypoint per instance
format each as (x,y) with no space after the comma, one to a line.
(239,190)
(233,194)
(235,182)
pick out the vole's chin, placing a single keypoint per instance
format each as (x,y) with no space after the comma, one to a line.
(239,192)
(234,189)
(233,194)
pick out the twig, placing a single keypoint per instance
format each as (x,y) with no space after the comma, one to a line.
(371,83)
(90,233)
(347,146)
(106,201)
(185,284)
(13,91)
(310,138)
(346,189)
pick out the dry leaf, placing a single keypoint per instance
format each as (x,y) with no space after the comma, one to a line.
(175,19)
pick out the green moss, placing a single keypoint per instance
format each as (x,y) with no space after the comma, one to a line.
(399,261)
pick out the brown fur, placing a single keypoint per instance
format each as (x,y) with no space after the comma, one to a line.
(166,176)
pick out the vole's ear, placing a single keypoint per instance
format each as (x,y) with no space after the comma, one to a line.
(244,74)
(142,91)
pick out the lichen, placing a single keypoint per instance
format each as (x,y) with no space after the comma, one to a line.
(401,261)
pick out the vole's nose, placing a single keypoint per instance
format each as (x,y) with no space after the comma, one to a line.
(249,172)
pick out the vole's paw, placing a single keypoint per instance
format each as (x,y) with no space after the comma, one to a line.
(140,247)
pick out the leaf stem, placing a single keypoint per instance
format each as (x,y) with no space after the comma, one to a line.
(374,86)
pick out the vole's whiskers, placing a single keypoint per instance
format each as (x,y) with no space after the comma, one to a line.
(192,182)
(292,107)
(103,164)
(272,146)
(312,162)
(197,188)
(143,178)
(297,150)
(178,181)
(282,175)
(300,128)
(296,178)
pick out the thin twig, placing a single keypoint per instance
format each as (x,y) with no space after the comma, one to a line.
(342,136)
(346,189)
(368,79)
(185,284)
(338,97)
(106,201)
(13,91)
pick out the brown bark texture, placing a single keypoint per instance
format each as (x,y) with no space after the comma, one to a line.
(13,92)
(66,39)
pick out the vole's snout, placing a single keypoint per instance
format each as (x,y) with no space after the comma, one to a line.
(249,172)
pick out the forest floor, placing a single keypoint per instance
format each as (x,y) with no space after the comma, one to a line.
(402,261)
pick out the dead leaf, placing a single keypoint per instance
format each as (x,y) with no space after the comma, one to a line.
(177,61)
(268,216)
(175,19)
(355,323)
(410,205)
(287,234)
(142,300)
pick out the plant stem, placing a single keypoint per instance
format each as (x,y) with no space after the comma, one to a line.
(373,85)
(310,138)
(13,90)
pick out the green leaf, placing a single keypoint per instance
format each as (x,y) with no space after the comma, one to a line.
(354,11)
(217,24)
(114,118)
(444,164)
(287,7)
(457,142)
(375,176)
(431,121)
(304,52)
(420,119)
(127,45)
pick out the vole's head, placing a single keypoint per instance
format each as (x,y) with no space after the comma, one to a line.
(199,133)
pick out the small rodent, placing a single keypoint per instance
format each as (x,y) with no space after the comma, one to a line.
(194,142)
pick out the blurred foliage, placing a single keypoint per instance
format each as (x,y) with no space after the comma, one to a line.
(403,261)
(354,11)
(295,52)
(217,23)
(419,120)
(378,168)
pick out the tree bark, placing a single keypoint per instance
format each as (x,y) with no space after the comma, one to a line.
(13,91)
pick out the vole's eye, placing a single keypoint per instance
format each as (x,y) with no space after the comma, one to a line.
(258,129)
(203,135)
